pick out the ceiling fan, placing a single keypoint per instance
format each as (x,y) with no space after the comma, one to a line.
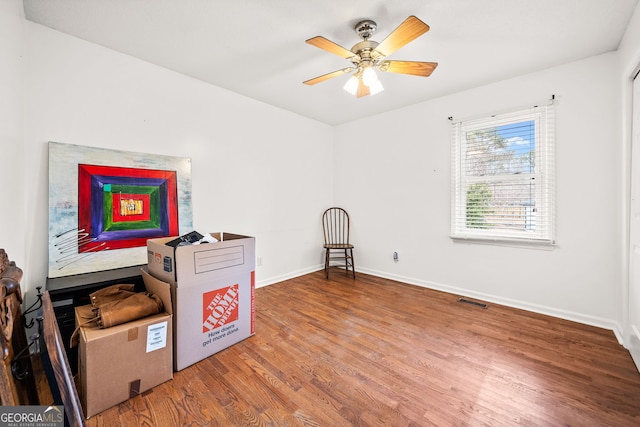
(368,55)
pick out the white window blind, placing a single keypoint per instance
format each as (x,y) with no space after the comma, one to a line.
(503,177)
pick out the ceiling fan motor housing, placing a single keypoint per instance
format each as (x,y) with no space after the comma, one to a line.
(364,51)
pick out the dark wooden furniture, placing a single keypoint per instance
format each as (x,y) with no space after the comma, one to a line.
(17,383)
(336,229)
(35,371)
(57,369)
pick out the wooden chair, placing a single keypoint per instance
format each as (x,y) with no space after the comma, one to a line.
(336,227)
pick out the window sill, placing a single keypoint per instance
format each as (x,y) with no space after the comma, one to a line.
(507,242)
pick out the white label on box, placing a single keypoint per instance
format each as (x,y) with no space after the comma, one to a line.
(156,336)
(217,259)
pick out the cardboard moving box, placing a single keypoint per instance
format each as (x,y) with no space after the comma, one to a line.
(213,293)
(123,361)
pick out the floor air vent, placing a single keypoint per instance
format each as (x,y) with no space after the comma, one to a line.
(468,301)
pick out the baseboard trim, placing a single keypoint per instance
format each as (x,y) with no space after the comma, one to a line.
(276,279)
(634,346)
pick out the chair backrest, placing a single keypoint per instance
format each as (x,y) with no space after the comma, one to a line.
(335,225)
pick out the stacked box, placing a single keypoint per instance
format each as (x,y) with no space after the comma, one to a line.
(122,361)
(213,293)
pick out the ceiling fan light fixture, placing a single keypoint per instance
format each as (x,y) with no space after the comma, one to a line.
(351,85)
(376,87)
(369,76)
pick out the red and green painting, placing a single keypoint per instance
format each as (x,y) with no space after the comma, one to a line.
(105,204)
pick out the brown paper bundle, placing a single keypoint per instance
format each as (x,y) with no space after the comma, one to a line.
(111,293)
(125,310)
(116,306)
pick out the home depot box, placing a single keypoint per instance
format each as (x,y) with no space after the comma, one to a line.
(213,293)
(122,361)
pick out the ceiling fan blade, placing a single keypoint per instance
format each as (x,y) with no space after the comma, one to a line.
(363,90)
(423,69)
(327,76)
(409,30)
(330,47)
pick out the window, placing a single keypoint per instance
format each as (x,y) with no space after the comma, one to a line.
(502,177)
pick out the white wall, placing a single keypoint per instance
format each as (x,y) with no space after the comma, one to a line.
(256,169)
(399,197)
(12,153)
(629,56)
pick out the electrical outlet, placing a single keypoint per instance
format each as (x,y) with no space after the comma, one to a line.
(395,256)
(259,261)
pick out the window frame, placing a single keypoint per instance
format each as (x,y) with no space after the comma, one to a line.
(543,175)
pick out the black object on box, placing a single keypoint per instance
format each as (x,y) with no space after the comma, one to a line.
(184,240)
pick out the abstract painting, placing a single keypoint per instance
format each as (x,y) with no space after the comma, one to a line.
(104,205)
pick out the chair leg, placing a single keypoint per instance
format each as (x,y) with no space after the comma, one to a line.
(346,261)
(326,263)
(353,264)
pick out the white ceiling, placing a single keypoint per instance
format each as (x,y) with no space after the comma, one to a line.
(256,47)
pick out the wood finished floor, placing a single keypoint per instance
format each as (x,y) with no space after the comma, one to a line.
(370,351)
